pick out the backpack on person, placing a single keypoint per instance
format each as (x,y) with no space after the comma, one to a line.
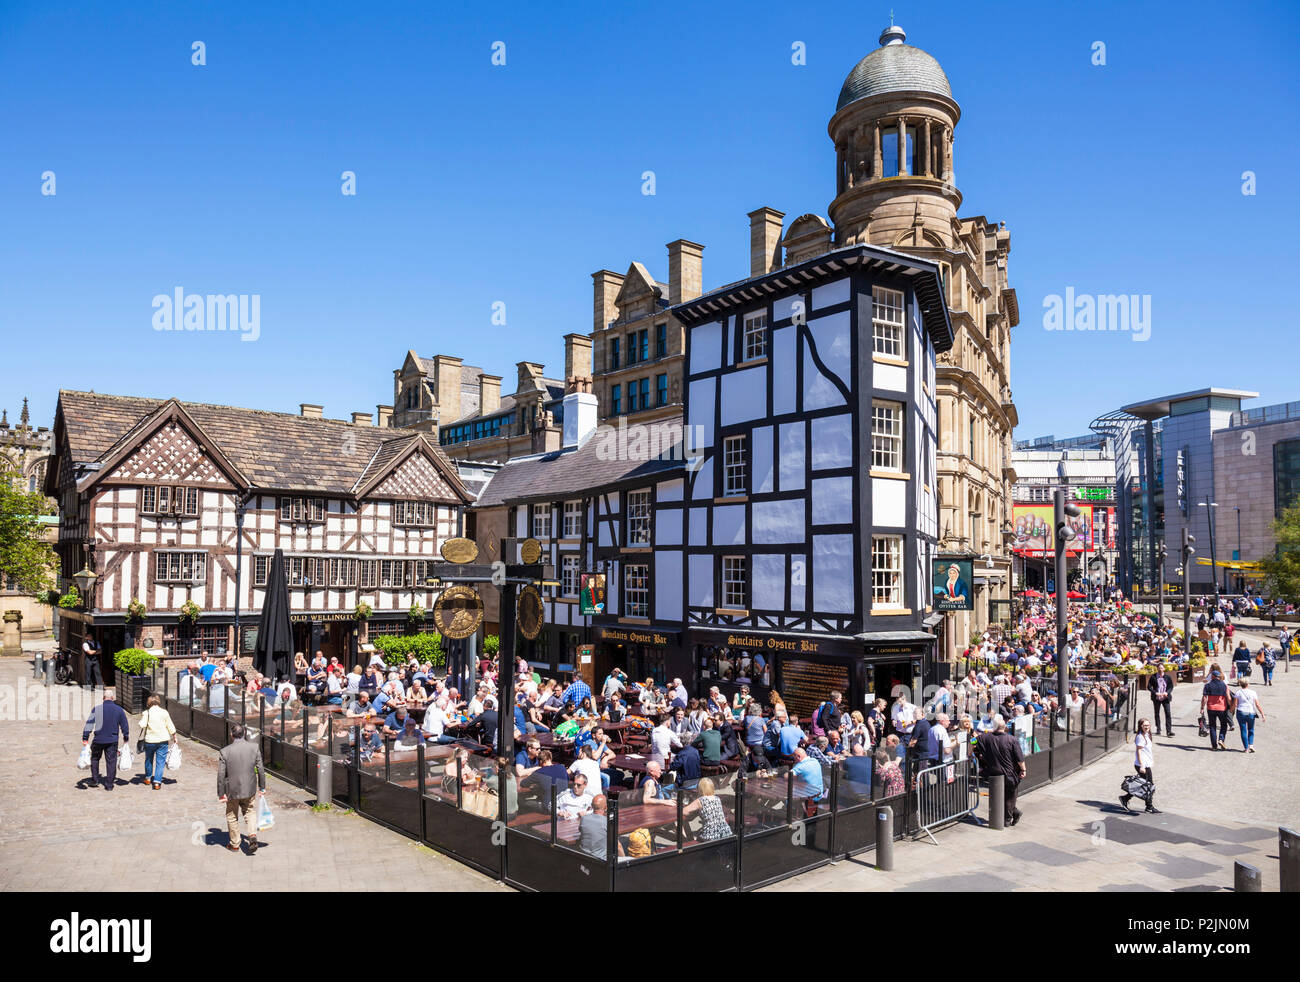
(815,724)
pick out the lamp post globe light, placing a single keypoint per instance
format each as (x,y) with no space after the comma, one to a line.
(85,580)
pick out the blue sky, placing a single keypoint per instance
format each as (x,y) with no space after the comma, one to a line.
(479,183)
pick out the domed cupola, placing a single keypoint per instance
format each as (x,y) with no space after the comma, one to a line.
(893,132)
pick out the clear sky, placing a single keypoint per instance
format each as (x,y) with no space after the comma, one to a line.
(479,184)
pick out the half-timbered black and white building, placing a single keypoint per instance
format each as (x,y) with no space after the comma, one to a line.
(810,492)
(155,494)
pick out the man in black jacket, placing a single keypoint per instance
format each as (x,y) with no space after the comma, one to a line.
(1161,688)
(106,721)
(1001,754)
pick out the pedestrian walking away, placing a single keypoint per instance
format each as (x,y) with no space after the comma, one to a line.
(107,721)
(999,753)
(1161,687)
(158,734)
(241,779)
(1246,705)
(1267,662)
(1144,763)
(1214,705)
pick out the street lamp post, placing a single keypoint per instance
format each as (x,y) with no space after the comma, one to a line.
(1063,535)
(1209,507)
(1187,554)
(1237,557)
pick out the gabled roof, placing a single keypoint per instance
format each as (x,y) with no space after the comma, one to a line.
(820,269)
(573,471)
(265,450)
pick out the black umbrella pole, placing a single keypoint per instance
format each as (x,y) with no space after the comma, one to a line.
(506,678)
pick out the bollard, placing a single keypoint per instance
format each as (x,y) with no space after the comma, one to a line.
(324,779)
(885,838)
(49,671)
(1288,857)
(1245,878)
(38,665)
(997,801)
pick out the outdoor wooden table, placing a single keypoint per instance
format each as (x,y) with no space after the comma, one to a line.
(636,763)
(630,818)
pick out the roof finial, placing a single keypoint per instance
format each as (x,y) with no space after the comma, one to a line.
(26,416)
(893,34)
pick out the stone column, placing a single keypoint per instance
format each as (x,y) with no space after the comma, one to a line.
(947,154)
(926,169)
(840,181)
(902,145)
(877,167)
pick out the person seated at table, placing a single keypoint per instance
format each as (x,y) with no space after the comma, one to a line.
(604,756)
(334,687)
(548,777)
(808,780)
(835,748)
(434,724)
(585,763)
(696,714)
(528,760)
(410,737)
(371,681)
(485,725)
(857,771)
(371,741)
(709,742)
(740,701)
(729,732)
(593,830)
(477,703)
(360,707)
(652,791)
(575,800)
(680,725)
(663,741)
(584,710)
(316,672)
(382,699)
(459,768)
(687,766)
(417,696)
(395,722)
(651,702)
(717,702)
(615,711)
(791,737)
(709,806)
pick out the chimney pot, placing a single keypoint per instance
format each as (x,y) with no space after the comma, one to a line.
(310,410)
(362,419)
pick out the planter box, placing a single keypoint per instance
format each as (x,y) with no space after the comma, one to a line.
(133,692)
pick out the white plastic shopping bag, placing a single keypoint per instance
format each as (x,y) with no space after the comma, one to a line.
(83,759)
(125,759)
(174,758)
(265,819)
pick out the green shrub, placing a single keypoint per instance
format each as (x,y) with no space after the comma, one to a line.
(70,600)
(134,661)
(398,649)
(491,645)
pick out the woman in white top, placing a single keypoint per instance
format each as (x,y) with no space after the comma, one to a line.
(1246,704)
(1143,761)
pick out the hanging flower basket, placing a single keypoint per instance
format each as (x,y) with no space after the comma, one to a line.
(190,611)
(416,613)
(135,610)
(364,610)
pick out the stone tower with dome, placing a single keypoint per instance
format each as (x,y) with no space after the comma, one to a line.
(893,131)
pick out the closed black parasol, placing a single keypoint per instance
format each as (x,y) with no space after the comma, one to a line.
(274,655)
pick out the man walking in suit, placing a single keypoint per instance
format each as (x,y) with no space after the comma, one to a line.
(240,779)
(1161,687)
(106,721)
(1000,753)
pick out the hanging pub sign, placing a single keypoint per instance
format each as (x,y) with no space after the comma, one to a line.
(459,551)
(458,611)
(951,581)
(591,596)
(529,612)
(530,551)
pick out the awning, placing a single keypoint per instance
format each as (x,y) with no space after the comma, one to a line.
(934,620)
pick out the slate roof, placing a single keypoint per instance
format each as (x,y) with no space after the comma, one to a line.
(894,68)
(571,471)
(277,451)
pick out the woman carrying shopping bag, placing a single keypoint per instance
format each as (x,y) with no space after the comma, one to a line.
(1144,783)
(157,733)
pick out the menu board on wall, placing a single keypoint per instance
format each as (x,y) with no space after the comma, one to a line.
(806,684)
